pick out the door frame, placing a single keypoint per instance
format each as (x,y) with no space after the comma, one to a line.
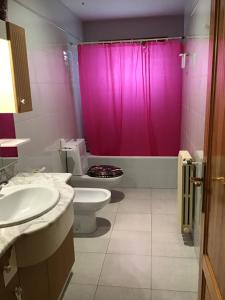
(207,280)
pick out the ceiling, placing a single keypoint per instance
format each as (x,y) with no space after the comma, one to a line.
(113,9)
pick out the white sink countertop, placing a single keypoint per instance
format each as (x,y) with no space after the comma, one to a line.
(9,235)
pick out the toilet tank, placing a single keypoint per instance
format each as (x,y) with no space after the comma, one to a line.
(77,158)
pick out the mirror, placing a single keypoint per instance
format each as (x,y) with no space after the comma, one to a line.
(8,156)
(6,162)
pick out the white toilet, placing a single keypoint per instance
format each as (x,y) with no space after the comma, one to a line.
(93,197)
(82,174)
(86,202)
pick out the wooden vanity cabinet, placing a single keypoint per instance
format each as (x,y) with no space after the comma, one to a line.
(46,280)
(59,266)
(43,281)
(7,292)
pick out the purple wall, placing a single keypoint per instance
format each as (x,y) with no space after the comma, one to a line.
(7,130)
(135,28)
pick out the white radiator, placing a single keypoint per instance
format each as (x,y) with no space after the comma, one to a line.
(185,193)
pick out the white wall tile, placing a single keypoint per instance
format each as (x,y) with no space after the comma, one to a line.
(143,172)
(197,22)
(53,115)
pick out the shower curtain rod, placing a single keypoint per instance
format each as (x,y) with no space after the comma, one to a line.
(134,40)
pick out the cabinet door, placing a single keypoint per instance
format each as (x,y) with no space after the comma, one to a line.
(17,38)
(45,281)
(59,266)
(8,292)
(34,282)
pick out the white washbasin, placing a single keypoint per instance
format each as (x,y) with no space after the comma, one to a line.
(22,203)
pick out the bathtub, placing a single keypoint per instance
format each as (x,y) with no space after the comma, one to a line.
(142,171)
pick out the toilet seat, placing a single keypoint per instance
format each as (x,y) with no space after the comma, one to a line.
(98,176)
(95,182)
(104,171)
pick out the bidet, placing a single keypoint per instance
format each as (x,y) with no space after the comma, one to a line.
(86,202)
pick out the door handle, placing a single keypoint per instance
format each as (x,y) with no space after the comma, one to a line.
(219,179)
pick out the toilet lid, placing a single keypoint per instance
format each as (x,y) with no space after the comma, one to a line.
(104,171)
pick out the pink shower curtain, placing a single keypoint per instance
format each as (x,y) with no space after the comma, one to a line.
(131,98)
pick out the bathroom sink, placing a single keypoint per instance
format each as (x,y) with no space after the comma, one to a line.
(22,203)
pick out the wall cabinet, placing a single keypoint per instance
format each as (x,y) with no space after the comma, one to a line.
(15,92)
(45,280)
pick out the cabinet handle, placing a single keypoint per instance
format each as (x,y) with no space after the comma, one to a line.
(18,292)
(23,101)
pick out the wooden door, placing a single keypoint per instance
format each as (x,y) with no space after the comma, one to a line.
(212,277)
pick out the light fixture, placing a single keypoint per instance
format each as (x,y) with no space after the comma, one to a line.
(15,92)
(7,86)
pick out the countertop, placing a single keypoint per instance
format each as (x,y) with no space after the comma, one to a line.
(9,235)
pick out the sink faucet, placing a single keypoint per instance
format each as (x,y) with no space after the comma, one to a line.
(40,170)
(3,183)
(3,179)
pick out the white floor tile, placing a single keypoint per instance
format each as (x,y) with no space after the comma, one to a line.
(170,244)
(164,206)
(138,222)
(135,206)
(177,274)
(164,194)
(164,224)
(125,234)
(87,268)
(126,271)
(118,293)
(91,244)
(137,194)
(111,207)
(80,292)
(130,242)
(171,295)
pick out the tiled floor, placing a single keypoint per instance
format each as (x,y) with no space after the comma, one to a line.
(136,253)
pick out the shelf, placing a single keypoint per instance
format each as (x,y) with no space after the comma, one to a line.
(10,143)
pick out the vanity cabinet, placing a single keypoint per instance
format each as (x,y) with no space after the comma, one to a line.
(43,281)
(15,92)
(46,280)
(8,291)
